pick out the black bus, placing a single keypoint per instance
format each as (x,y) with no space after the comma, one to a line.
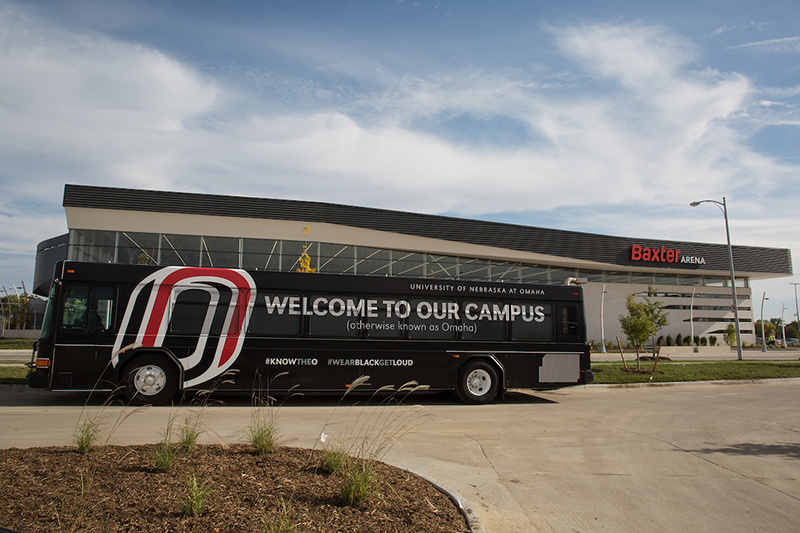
(151,331)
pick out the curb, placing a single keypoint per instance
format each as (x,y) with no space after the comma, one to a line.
(469,514)
(690,383)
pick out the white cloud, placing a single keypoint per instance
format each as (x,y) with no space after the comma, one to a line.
(90,101)
(638,56)
(722,29)
(782,92)
(786,44)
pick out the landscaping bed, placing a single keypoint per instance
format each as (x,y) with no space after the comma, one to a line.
(119,489)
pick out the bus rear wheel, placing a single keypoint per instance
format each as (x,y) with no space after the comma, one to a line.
(150,379)
(478,382)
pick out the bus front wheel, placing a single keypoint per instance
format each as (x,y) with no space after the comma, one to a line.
(478,382)
(150,379)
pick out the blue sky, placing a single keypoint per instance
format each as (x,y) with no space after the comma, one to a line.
(597,116)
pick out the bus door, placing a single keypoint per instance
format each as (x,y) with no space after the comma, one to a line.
(84,336)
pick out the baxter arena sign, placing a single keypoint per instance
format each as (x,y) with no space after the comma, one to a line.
(663,255)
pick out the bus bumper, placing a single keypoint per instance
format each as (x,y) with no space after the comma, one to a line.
(588,376)
(38,379)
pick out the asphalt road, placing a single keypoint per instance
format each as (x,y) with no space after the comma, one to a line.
(698,457)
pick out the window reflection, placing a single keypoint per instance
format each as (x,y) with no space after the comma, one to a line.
(285,255)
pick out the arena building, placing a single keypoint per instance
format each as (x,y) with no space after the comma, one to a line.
(113,225)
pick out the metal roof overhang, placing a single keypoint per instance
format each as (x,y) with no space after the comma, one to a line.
(117,209)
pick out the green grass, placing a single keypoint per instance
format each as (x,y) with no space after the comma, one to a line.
(358,481)
(286,521)
(13,375)
(334,459)
(16,344)
(611,373)
(86,435)
(261,435)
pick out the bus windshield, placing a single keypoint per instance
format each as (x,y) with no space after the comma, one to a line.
(48,314)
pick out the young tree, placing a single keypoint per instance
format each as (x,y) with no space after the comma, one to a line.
(792,330)
(18,311)
(645,318)
(729,335)
(769,328)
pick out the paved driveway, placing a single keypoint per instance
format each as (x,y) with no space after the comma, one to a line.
(684,458)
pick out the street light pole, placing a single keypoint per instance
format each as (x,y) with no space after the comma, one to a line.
(797,307)
(8,302)
(783,326)
(602,325)
(691,320)
(19,305)
(723,206)
(763,336)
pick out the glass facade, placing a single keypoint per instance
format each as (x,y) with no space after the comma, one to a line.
(284,255)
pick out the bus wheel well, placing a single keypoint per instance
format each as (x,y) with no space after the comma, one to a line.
(479,380)
(150,377)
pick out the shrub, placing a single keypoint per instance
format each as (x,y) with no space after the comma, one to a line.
(712,340)
(164,454)
(334,459)
(194,503)
(86,435)
(358,482)
(261,436)
(679,340)
(669,340)
(190,432)
(286,521)
(351,454)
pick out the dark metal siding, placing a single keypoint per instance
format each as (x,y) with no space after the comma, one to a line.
(48,253)
(559,243)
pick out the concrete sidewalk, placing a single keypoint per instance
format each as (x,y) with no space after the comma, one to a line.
(15,355)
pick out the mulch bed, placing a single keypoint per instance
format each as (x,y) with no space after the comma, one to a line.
(118,489)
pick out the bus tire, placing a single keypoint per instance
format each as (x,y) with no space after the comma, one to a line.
(478,382)
(149,379)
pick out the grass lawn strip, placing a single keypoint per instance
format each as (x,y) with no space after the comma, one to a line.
(669,372)
(16,344)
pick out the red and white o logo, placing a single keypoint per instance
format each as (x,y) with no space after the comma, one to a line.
(166,285)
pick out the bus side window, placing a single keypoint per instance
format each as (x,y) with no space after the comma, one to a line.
(434,319)
(101,308)
(75,312)
(335,317)
(480,316)
(387,325)
(535,323)
(271,317)
(88,308)
(190,311)
(569,320)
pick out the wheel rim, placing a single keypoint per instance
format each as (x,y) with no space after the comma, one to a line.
(479,382)
(150,380)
